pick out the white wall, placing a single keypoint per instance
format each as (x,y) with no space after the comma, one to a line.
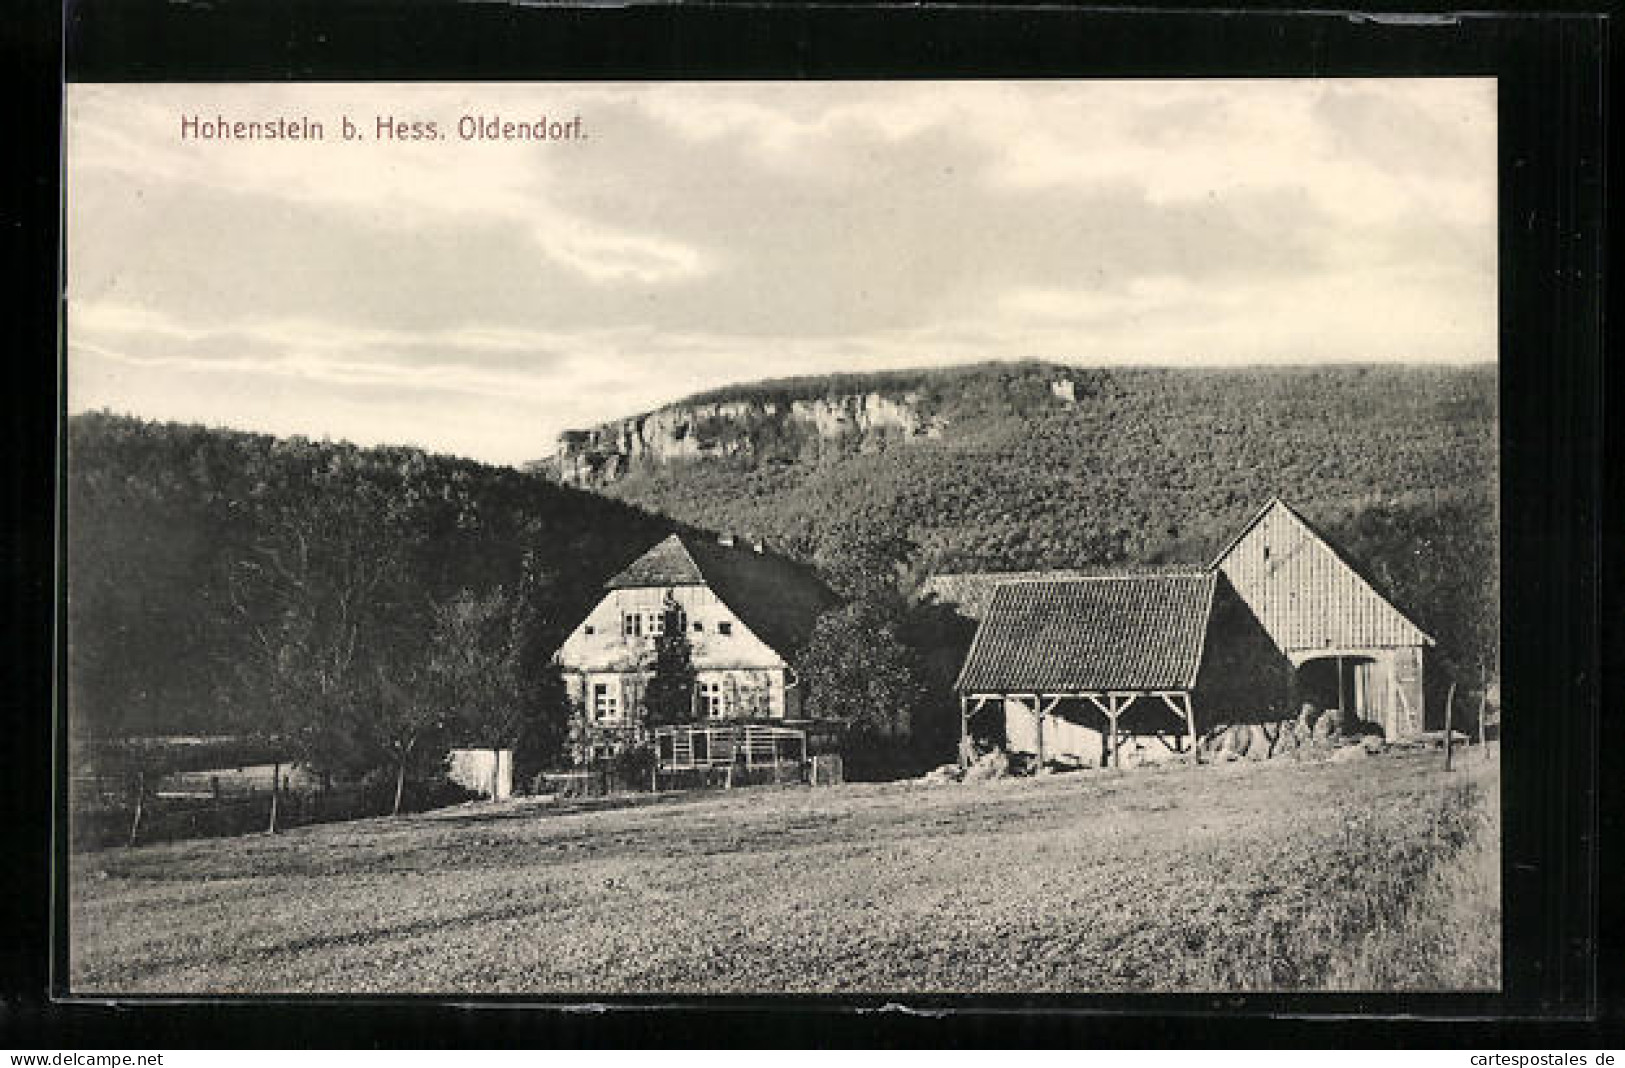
(750,673)
(597,643)
(1062,737)
(1074,741)
(472,768)
(746,693)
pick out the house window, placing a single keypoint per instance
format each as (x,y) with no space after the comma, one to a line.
(711,698)
(655,625)
(605,702)
(588,628)
(699,628)
(632,625)
(725,627)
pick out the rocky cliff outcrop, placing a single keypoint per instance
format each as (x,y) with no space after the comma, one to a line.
(753,428)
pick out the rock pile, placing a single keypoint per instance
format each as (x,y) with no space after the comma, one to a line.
(990,765)
(1312,734)
(993,765)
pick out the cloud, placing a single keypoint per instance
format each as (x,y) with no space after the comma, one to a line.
(480,296)
(478,360)
(388,184)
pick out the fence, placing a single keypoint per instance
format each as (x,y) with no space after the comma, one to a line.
(752,745)
(169,814)
(603,782)
(600,781)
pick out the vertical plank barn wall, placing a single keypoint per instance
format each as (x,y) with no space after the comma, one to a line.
(1314,605)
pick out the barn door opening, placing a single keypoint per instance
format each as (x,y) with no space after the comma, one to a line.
(1340,682)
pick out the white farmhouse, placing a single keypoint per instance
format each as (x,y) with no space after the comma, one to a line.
(746,612)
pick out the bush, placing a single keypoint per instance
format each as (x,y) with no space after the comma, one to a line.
(443,793)
(634,763)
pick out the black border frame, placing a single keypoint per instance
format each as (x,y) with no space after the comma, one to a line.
(1552,70)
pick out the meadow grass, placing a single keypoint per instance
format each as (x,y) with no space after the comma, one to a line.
(1279,875)
(1448,937)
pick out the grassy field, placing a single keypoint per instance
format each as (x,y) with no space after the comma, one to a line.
(1377,873)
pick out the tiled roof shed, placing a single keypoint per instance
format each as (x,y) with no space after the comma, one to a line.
(970,593)
(1092,635)
(1134,649)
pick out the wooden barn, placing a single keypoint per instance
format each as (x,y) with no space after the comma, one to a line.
(1350,648)
(1115,669)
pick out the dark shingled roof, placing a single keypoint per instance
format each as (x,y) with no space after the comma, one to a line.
(970,593)
(667,564)
(778,599)
(1091,635)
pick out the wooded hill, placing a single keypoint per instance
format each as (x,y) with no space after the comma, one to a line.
(183,541)
(1039,465)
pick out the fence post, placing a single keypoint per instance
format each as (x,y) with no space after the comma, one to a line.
(276,776)
(140,798)
(1449,727)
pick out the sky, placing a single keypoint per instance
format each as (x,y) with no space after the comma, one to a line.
(478,296)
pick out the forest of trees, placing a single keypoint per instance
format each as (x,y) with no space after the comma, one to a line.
(359,605)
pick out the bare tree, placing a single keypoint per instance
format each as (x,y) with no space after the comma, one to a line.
(307,602)
(473,663)
(406,724)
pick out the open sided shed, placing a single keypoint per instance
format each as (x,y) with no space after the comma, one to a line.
(1075,666)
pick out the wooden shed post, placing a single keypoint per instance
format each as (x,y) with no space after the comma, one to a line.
(964,731)
(1342,701)
(1038,718)
(1112,711)
(1190,726)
